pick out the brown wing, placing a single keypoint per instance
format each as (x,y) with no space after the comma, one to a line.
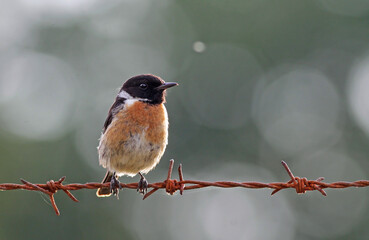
(117,105)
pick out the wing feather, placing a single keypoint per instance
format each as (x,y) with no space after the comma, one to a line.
(117,105)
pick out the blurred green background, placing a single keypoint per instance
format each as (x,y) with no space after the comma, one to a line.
(260,81)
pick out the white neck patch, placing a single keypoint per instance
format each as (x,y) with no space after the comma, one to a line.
(124,94)
(129,99)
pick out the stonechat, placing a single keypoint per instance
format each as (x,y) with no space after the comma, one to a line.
(135,133)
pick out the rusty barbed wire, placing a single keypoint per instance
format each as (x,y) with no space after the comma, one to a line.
(301,185)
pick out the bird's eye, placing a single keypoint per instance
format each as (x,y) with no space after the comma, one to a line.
(143,86)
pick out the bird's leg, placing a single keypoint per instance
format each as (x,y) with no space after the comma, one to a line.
(142,184)
(115,185)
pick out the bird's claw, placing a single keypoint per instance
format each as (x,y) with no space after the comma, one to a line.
(142,185)
(115,186)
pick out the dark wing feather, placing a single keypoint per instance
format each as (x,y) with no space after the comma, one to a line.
(117,105)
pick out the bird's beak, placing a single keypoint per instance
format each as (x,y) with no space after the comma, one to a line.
(166,85)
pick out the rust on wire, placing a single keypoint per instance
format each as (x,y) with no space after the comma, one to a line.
(301,185)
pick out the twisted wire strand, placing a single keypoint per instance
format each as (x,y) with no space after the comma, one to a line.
(301,185)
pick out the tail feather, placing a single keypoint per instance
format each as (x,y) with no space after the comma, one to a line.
(105,191)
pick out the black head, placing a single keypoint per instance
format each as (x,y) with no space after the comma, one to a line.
(146,87)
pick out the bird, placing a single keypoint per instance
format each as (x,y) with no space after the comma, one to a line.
(135,132)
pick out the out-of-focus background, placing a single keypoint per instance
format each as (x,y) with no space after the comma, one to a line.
(260,81)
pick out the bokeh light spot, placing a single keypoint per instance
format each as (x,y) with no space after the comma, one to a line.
(358,93)
(199,47)
(298,111)
(38,92)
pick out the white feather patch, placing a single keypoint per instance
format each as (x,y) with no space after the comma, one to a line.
(124,94)
(129,99)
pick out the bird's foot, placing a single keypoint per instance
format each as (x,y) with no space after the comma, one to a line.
(142,185)
(115,186)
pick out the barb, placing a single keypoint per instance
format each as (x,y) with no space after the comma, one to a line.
(301,185)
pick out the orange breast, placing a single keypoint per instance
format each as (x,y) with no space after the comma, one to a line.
(136,118)
(152,117)
(136,139)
